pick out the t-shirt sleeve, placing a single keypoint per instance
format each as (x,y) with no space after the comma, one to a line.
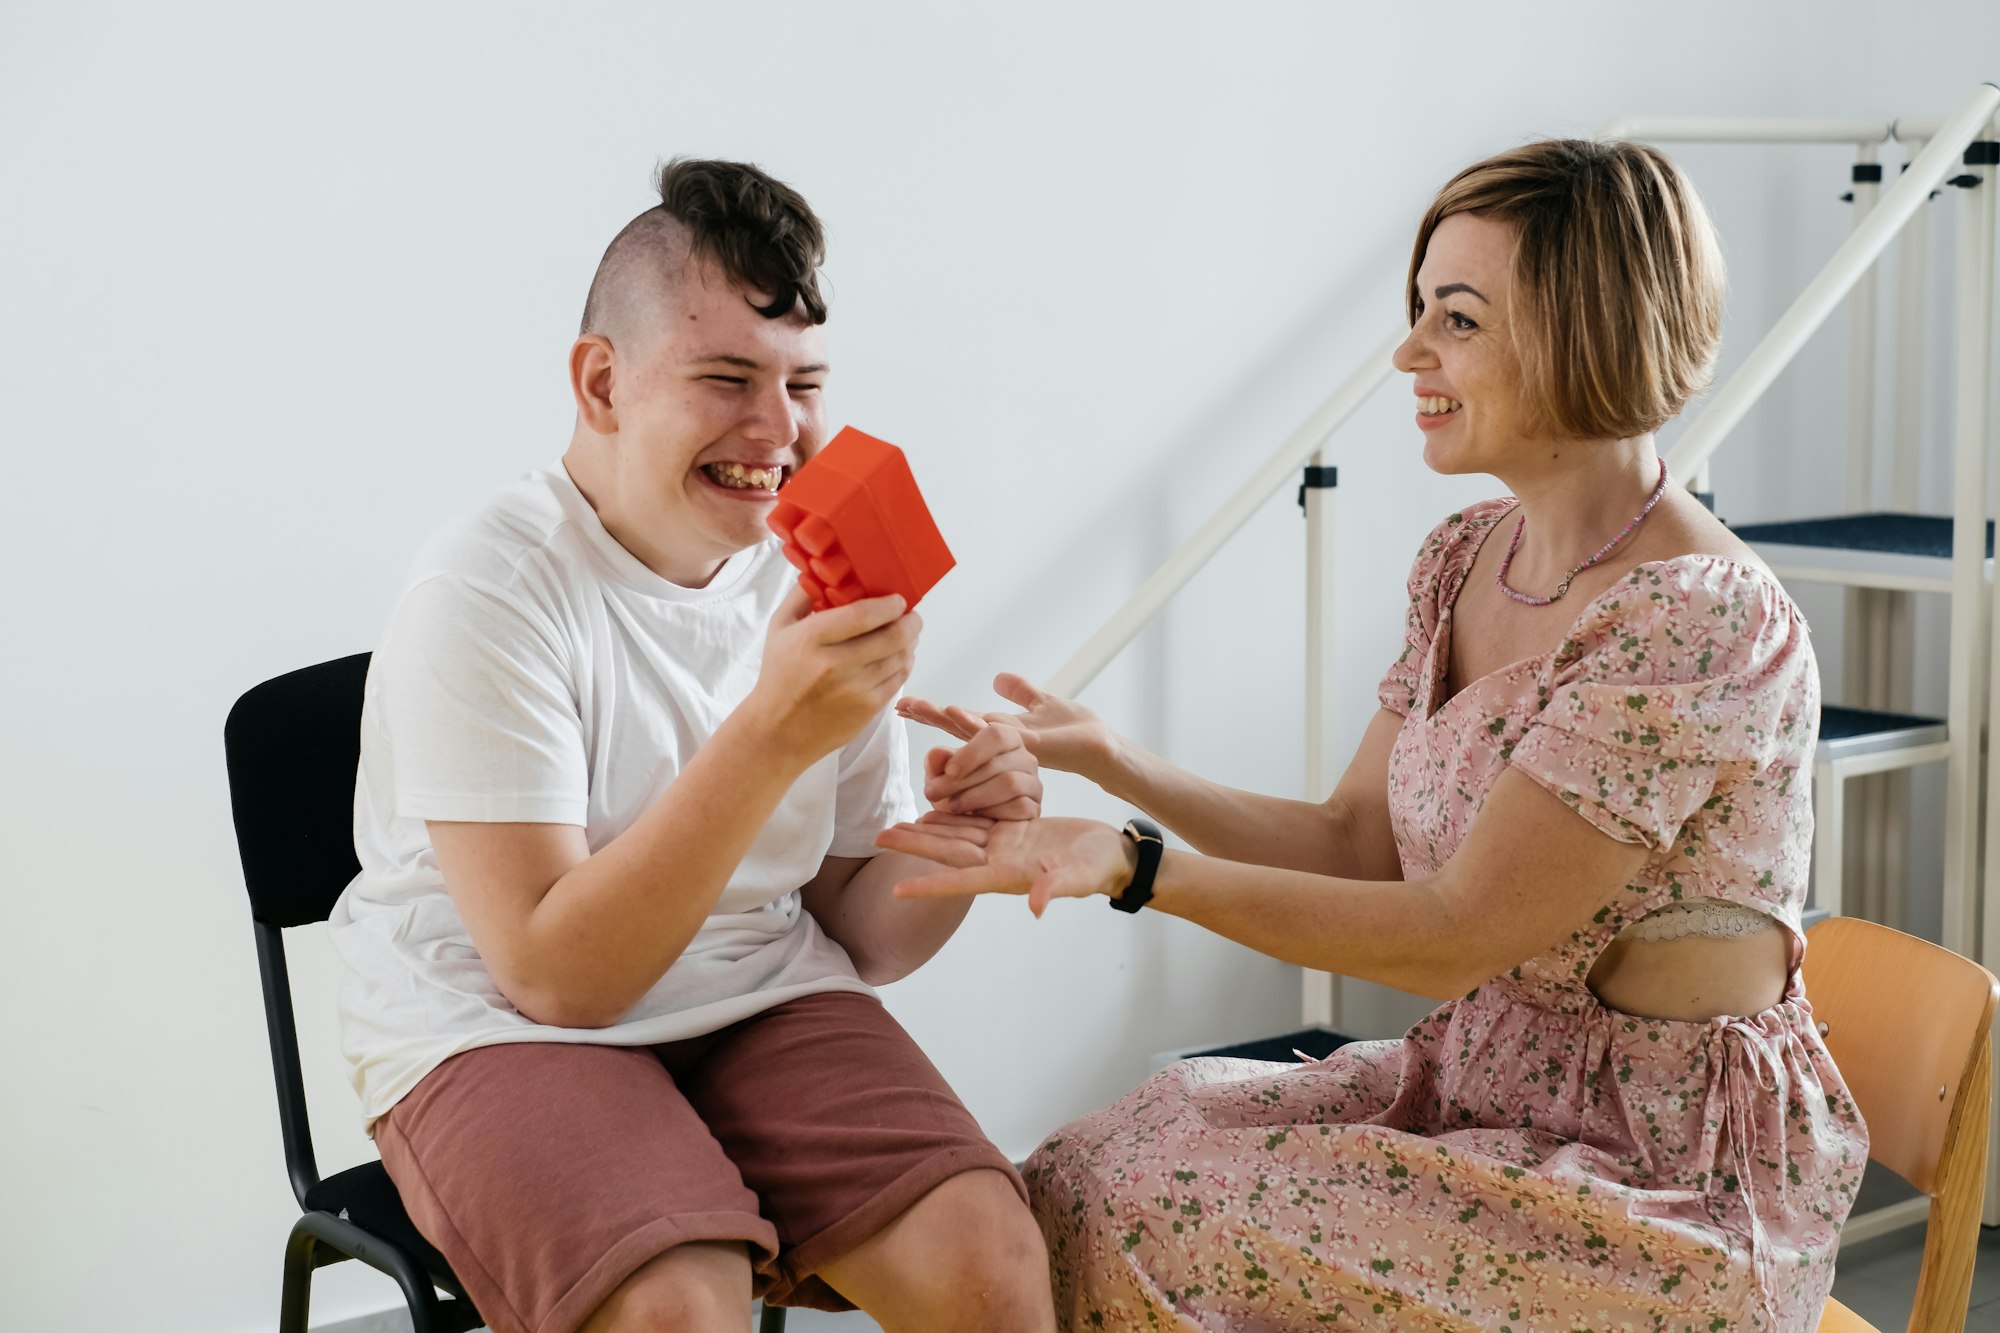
(1675,684)
(874,787)
(471,692)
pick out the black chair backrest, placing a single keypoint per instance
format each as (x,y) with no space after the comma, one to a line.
(293,746)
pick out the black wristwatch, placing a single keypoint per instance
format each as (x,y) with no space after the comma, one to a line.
(1146,836)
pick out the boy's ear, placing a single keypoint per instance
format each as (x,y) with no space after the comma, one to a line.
(593,363)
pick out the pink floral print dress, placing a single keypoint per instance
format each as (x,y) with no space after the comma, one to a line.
(1525,1158)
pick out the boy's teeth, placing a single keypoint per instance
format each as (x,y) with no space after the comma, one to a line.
(741,478)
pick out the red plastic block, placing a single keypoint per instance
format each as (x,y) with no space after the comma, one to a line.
(854,523)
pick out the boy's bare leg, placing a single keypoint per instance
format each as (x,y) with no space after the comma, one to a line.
(967,1256)
(702,1287)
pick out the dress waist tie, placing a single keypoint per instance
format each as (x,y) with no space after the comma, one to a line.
(1749,1084)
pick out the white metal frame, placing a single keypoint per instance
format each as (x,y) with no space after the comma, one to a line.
(1829,815)
(1319,1001)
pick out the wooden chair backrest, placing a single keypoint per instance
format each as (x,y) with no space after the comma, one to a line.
(1907,1022)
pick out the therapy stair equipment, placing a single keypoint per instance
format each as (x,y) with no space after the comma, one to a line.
(1881,551)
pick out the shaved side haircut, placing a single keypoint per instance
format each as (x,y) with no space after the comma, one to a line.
(757,230)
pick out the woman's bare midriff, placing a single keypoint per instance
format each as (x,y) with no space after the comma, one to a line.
(1695,977)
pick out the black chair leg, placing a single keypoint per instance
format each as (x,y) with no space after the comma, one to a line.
(295,1305)
(773,1320)
(423,1297)
(425,1316)
(345,1240)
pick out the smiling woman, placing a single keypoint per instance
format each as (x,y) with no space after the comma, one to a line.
(1588,820)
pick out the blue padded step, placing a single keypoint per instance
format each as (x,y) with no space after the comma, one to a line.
(1316,1042)
(1926,535)
(1846,733)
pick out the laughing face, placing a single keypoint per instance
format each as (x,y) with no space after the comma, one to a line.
(715,408)
(1461,350)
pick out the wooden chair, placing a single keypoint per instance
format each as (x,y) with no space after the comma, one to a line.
(1907,1023)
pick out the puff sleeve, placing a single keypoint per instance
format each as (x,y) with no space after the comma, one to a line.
(1684,679)
(1435,575)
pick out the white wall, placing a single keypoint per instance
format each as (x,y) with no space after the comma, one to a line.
(282,285)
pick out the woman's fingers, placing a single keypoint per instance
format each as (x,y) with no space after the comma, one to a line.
(1017,690)
(965,723)
(965,883)
(946,846)
(930,715)
(1042,892)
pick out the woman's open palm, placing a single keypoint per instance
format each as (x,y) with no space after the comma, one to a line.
(1045,859)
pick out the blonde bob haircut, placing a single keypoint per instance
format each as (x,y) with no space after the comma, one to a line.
(1617,304)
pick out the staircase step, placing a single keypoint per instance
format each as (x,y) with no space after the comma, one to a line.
(1927,535)
(1847,733)
(1286,1049)
(1900,552)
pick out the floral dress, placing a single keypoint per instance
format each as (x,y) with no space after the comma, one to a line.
(1525,1158)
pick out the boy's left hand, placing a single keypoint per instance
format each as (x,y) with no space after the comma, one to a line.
(992,775)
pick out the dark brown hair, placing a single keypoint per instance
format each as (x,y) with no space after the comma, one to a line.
(1617,280)
(758,230)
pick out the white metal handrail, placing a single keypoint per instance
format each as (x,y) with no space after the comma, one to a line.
(1746,129)
(1172,575)
(1899,203)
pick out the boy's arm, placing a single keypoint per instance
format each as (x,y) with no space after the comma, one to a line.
(887,938)
(574,938)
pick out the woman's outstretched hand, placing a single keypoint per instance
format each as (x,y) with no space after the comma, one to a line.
(1044,858)
(1059,732)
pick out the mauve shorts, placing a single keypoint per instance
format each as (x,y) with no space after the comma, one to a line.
(548,1173)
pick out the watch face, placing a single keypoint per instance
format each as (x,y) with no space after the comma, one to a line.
(1141,831)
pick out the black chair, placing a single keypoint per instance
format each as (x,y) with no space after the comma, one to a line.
(293,746)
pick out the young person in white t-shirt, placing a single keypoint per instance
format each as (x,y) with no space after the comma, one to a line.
(609,1007)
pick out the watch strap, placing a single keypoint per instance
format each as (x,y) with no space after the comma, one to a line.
(1151,842)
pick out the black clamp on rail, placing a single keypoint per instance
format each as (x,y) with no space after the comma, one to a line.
(1978,153)
(1906,167)
(1865,173)
(1317,479)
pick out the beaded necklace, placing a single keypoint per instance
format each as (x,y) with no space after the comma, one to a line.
(1507,561)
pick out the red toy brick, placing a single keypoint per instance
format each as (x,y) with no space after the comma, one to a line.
(855,525)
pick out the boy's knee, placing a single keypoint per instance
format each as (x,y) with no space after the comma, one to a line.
(697,1287)
(989,1257)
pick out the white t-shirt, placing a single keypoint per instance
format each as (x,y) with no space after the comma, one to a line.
(535,671)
